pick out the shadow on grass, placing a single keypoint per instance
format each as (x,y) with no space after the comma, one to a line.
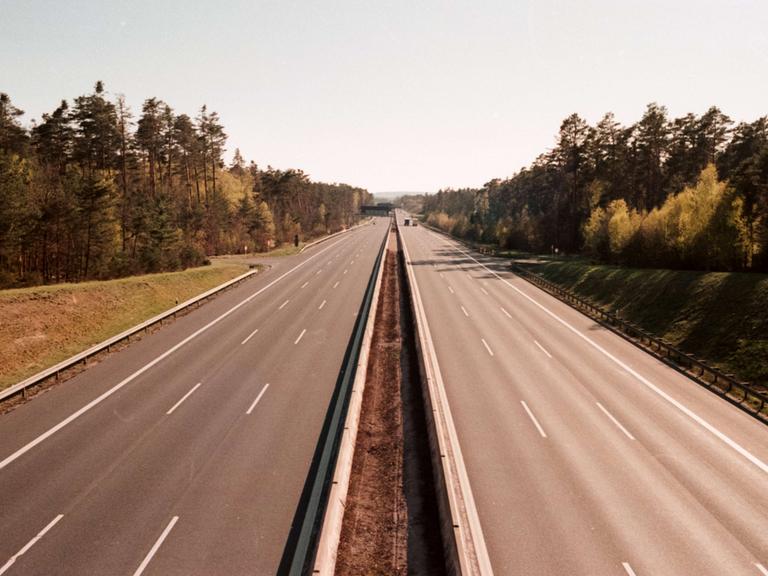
(719,316)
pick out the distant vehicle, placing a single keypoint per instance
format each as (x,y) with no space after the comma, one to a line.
(407,222)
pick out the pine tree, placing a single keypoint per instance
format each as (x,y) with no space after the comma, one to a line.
(13,138)
(651,140)
(96,136)
(238,163)
(149,138)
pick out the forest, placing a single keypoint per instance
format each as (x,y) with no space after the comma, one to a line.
(92,191)
(688,193)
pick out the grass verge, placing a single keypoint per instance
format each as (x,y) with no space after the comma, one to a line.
(43,325)
(721,317)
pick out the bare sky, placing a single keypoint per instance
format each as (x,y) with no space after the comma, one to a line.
(398,95)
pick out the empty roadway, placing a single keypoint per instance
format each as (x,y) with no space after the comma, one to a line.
(584,454)
(190,462)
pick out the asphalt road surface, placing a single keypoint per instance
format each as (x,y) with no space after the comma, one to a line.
(585,455)
(193,461)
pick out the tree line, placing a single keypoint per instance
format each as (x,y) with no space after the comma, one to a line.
(90,191)
(688,192)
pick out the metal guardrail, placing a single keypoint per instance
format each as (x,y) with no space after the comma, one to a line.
(742,394)
(301,548)
(330,534)
(106,346)
(465,551)
(330,236)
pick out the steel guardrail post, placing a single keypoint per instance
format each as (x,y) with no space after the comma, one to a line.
(465,552)
(752,401)
(54,371)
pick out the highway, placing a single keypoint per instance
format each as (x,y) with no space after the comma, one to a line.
(585,456)
(186,452)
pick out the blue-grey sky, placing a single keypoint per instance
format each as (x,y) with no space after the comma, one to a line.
(392,95)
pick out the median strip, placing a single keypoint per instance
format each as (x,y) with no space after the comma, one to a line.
(462,535)
(317,522)
(391,505)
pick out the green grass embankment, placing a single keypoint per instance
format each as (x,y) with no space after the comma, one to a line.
(43,325)
(720,317)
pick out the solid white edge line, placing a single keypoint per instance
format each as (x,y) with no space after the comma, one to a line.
(763,569)
(187,395)
(155,547)
(29,544)
(330,534)
(322,304)
(474,527)
(283,304)
(51,431)
(628,569)
(486,346)
(251,335)
(615,421)
(642,379)
(533,418)
(252,406)
(300,336)
(465,311)
(542,348)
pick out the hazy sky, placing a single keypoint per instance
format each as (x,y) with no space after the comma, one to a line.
(403,95)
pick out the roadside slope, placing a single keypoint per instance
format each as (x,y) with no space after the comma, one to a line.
(43,325)
(718,316)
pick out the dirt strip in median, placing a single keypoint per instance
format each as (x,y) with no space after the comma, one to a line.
(391,524)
